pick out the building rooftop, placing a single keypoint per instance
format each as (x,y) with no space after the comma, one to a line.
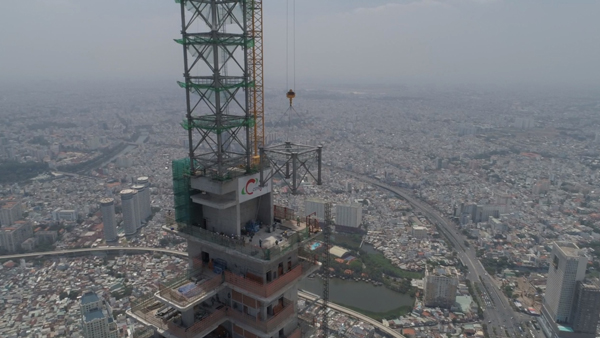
(568,248)
(93,315)
(89,297)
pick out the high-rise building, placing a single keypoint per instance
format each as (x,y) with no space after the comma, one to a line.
(12,237)
(440,285)
(315,206)
(10,212)
(349,215)
(96,318)
(145,201)
(586,307)
(140,199)
(107,207)
(567,268)
(246,286)
(131,219)
(244,269)
(137,208)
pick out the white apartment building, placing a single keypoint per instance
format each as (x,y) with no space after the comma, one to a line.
(10,212)
(440,285)
(348,214)
(315,206)
(96,318)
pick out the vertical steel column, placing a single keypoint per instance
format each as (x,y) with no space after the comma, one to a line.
(294,172)
(325,266)
(319,157)
(186,76)
(248,79)
(217,83)
(288,145)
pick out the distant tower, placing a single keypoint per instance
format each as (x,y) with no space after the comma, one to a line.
(136,205)
(143,206)
(107,206)
(130,214)
(145,196)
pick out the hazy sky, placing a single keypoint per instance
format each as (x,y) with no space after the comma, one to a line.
(337,41)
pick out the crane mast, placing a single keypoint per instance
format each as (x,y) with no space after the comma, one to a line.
(256,107)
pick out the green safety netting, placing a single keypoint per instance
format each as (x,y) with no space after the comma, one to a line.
(202,40)
(210,86)
(181,189)
(179,1)
(210,124)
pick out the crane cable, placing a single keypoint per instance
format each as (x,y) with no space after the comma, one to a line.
(287,43)
(290,94)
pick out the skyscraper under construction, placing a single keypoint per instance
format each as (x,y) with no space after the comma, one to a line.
(244,265)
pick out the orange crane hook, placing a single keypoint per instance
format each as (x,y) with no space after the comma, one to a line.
(290,95)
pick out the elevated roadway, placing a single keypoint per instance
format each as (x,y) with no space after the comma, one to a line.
(91,250)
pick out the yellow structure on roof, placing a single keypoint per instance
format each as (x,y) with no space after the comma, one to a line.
(338,251)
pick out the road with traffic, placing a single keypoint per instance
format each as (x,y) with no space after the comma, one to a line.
(498,312)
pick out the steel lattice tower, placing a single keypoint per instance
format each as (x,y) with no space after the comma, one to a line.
(216,76)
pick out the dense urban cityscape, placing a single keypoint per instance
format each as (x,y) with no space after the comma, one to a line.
(430,169)
(511,185)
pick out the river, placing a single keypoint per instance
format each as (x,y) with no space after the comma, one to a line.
(141,139)
(360,295)
(369,248)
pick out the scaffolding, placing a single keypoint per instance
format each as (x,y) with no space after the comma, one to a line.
(293,162)
(216,41)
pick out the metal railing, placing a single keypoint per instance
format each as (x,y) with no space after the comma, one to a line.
(263,325)
(145,332)
(145,308)
(199,326)
(294,241)
(191,295)
(267,289)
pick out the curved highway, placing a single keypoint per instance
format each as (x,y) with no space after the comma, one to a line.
(498,312)
(89,250)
